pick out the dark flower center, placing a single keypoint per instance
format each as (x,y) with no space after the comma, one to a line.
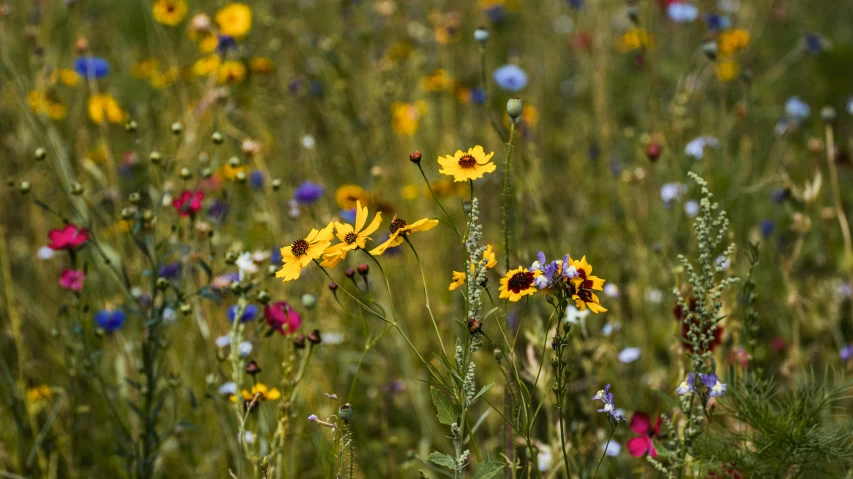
(467,162)
(520,281)
(397,224)
(350,238)
(585,296)
(171,8)
(299,248)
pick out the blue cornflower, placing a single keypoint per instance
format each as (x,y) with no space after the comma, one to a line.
(682,12)
(316,87)
(91,67)
(814,43)
(218,210)
(170,271)
(478,96)
(713,383)
(110,320)
(510,77)
(685,386)
(225,43)
(716,22)
(847,352)
(250,313)
(496,14)
(275,255)
(797,108)
(256,179)
(308,193)
(767,227)
(780,195)
(576,4)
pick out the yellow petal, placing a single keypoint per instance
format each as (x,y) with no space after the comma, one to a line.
(360,216)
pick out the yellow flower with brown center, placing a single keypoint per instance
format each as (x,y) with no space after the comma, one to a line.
(584,282)
(400,230)
(732,41)
(233,72)
(261,392)
(488,258)
(457,281)
(351,236)
(438,80)
(206,66)
(405,117)
(103,107)
(234,19)
(261,65)
(348,196)
(303,251)
(169,12)
(464,166)
(518,283)
(44,104)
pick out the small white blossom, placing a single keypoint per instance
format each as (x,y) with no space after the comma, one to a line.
(223,341)
(629,355)
(46,253)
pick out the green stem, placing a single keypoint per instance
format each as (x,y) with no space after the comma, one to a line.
(604,453)
(435,198)
(426,295)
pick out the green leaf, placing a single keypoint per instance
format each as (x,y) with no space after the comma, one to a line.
(488,470)
(482,391)
(444,460)
(444,405)
(666,398)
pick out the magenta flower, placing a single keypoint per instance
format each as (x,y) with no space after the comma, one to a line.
(188,203)
(71,279)
(282,318)
(68,238)
(643,444)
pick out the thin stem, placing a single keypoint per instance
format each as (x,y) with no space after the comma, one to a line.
(435,198)
(604,453)
(426,295)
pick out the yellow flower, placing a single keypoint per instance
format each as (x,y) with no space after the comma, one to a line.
(584,282)
(302,252)
(231,72)
(261,65)
(234,19)
(405,117)
(104,107)
(69,77)
(260,391)
(348,196)
(43,104)
(438,80)
(732,41)
(410,192)
(634,39)
(518,283)
(206,66)
(467,166)
(169,12)
(400,229)
(490,262)
(726,70)
(458,280)
(166,78)
(209,43)
(351,237)
(145,68)
(38,393)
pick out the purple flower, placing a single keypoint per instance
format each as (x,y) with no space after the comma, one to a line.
(686,386)
(767,227)
(605,396)
(110,320)
(225,43)
(814,43)
(218,210)
(478,96)
(308,193)
(713,383)
(312,417)
(250,313)
(847,353)
(780,195)
(91,67)
(510,77)
(256,179)
(682,12)
(716,22)
(171,271)
(275,255)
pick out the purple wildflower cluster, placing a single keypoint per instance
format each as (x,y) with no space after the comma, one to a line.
(711,381)
(606,397)
(552,272)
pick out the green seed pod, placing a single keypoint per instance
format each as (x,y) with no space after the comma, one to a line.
(514,107)
(134,198)
(241,177)
(217,138)
(155,157)
(76,189)
(130,126)
(127,213)
(309,300)
(206,173)
(276,184)
(177,128)
(234,162)
(162,283)
(710,49)
(481,34)
(40,154)
(263,297)
(186,173)
(186,308)
(345,412)
(24,187)
(230,257)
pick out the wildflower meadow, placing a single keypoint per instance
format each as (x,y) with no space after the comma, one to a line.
(578,239)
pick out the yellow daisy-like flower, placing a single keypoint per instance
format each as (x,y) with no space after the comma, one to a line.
(44,104)
(209,43)
(104,107)
(231,72)
(303,251)
(634,39)
(467,166)
(584,283)
(490,262)
(261,65)
(348,196)
(405,117)
(206,66)
(39,393)
(726,70)
(732,41)
(351,237)
(69,77)
(438,80)
(458,280)
(234,19)
(261,391)
(145,68)
(400,229)
(518,283)
(169,12)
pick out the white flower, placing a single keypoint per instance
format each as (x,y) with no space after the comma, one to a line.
(223,341)
(245,348)
(575,316)
(246,265)
(611,290)
(228,389)
(598,395)
(46,253)
(169,315)
(250,438)
(608,408)
(332,338)
(672,191)
(308,142)
(629,355)
(696,148)
(654,295)
(610,328)
(571,272)
(545,459)
(612,449)
(691,208)
(541,281)
(723,263)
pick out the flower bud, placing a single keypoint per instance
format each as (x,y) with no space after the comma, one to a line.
(155,157)
(415,157)
(186,173)
(276,184)
(710,49)
(309,300)
(252,367)
(217,138)
(134,198)
(345,412)
(236,287)
(230,257)
(474,325)
(147,216)
(185,308)
(828,114)
(514,108)
(363,269)
(40,154)
(263,297)
(127,213)
(234,162)
(76,189)
(24,187)
(314,337)
(162,283)
(272,270)
(653,151)
(333,287)
(299,342)
(177,128)
(349,273)
(130,126)
(206,173)
(481,34)
(241,177)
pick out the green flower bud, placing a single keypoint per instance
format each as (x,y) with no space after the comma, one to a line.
(155,157)
(24,187)
(234,162)
(217,138)
(186,173)
(134,198)
(40,154)
(481,34)
(177,128)
(230,257)
(276,184)
(514,107)
(130,126)
(162,283)
(345,412)
(76,189)
(710,49)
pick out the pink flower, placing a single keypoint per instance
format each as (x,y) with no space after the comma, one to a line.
(280,315)
(67,238)
(189,203)
(643,444)
(72,279)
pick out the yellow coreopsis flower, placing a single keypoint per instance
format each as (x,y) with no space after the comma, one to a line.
(104,107)
(400,230)
(351,237)
(39,393)
(169,12)
(467,166)
(69,77)
(726,70)
(260,391)
(488,258)
(209,43)
(231,72)
(302,252)
(518,283)
(584,282)
(348,196)
(405,117)
(145,68)
(234,19)
(261,65)
(206,66)
(732,41)
(457,281)
(438,80)
(634,39)
(43,104)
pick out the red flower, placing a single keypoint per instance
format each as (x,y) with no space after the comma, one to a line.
(68,238)
(72,279)
(280,316)
(189,203)
(643,444)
